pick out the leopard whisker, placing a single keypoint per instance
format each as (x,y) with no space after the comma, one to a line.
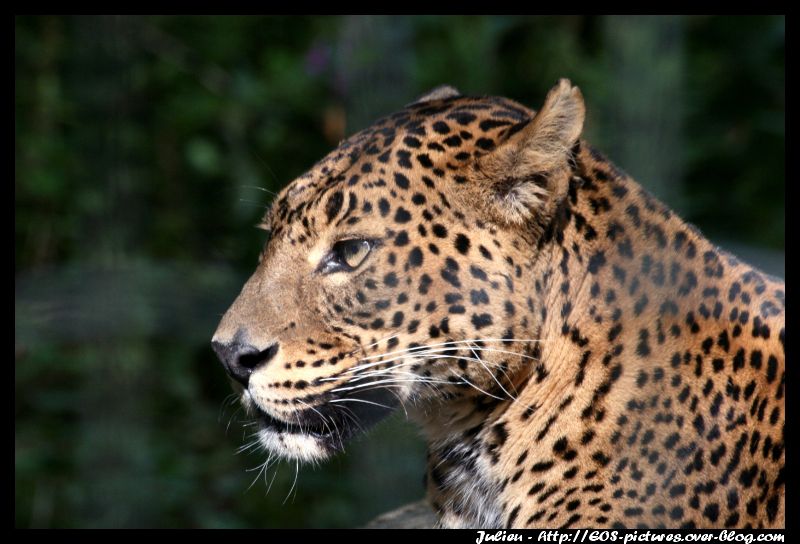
(477,357)
(322,417)
(361,400)
(389,386)
(391,370)
(351,416)
(420,379)
(249,445)
(228,401)
(294,483)
(271,459)
(271,193)
(272,480)
(377,342)
(430,354)
(447,343)
(230,419)
(361,386)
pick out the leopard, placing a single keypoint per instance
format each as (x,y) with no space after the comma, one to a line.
(573,352)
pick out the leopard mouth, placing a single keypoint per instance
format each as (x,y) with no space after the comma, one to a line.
(321,431)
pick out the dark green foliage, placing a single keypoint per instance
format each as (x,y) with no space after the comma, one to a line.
(147,148)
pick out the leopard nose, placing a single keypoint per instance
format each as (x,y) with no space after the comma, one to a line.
(240,360)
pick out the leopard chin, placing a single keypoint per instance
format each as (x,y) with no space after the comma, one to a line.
(316,433)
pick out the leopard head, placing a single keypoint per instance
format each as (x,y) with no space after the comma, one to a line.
(395,268)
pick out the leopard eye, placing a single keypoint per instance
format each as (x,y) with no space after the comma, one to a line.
(352,252)
(346,255)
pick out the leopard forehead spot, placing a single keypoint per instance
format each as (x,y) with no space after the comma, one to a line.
(575,353)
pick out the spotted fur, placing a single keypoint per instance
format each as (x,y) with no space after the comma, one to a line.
(575,354)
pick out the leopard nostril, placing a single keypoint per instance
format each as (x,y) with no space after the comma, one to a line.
(240,360)
(253,360)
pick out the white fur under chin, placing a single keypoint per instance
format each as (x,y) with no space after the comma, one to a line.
(300,447)
(294,446)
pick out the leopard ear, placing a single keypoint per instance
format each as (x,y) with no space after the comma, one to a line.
(439,93)
(527,173)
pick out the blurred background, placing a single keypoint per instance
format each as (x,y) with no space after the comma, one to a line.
(144,146)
